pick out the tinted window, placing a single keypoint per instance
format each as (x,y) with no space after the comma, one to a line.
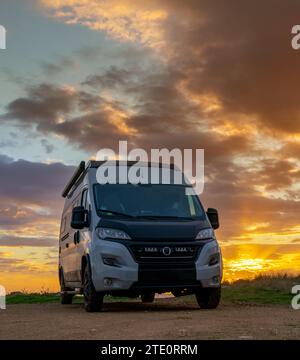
(84,198)
(147,200)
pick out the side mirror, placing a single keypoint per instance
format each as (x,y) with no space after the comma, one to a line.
(80,217)
(213,217)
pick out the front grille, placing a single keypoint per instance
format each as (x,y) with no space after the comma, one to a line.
(162,253)
(165,266)
(166,274)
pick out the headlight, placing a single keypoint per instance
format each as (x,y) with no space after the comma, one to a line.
(205,234)
(107,233)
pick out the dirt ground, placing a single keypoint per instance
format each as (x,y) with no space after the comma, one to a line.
(164,319)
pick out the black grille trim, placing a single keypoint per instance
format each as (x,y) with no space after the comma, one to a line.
(162,253)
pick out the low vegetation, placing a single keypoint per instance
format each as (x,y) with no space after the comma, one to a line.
(31,298)
(264,289)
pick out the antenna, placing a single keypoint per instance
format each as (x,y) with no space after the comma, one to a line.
(74,178)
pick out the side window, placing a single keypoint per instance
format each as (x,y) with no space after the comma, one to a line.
(84,202)
(63,225)
(191,205)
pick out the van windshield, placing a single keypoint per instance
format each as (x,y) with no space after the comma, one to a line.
(147,201)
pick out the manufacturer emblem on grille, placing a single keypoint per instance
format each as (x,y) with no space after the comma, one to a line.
(166,251)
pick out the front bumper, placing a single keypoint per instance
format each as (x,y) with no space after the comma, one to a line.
(135,274)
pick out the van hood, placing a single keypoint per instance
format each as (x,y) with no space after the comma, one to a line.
(157,230)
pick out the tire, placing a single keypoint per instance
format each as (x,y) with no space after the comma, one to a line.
(65,298)
(93,301)
(209,298)
(148,298)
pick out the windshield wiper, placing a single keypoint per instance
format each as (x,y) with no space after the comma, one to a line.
(116,213)
(157,217)
(150,217)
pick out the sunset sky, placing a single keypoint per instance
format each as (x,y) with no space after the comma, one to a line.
(80,75)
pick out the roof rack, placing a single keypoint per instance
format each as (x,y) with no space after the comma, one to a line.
(74,178)
(95,164)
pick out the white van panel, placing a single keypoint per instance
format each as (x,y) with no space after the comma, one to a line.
(122,276)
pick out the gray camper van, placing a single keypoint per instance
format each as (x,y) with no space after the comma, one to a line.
(136,240)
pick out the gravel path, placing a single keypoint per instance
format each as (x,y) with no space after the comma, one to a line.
(164,319)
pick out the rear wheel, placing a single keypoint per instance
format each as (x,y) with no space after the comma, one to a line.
(209,298)
(148,298)
(65,297)
(93,301)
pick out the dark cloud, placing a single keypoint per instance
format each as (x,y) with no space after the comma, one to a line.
(81,117)
(111,78)
(91,131)
(19,241)
(31,202)
(32,183)
(241,52)
(64,64)
(277,174)
(47,146)
(46,105)
(42,106)
(18,214)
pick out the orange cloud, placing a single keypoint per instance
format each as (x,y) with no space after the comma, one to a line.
(127,20)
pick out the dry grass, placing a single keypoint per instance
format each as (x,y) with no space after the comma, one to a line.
(279,282)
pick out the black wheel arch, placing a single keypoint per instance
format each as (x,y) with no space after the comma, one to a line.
(60,274)
(85,261)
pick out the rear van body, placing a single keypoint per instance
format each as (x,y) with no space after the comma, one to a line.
(136,240)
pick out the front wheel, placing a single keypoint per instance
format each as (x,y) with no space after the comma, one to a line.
(93,301)
(209,298)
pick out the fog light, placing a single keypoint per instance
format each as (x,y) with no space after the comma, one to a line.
(214,259)
(107,282)
(110,261)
